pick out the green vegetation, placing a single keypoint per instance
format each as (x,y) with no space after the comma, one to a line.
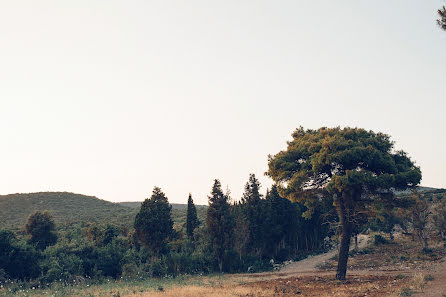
(153,223)
(41,229)
(192,221)
(354,168)
(67,209)
(332,178)
(220,223)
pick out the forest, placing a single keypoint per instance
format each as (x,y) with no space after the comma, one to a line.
(257,229)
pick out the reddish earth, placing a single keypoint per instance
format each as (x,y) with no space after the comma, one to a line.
(393,269)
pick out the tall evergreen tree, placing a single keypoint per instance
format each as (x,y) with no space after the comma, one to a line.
(254,212)
(282,221)
(191,220)
(153,223)
(220,223)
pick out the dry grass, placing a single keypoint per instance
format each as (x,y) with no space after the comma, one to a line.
(196,291)
(372,286)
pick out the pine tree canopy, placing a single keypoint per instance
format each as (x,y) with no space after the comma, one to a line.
(353,161)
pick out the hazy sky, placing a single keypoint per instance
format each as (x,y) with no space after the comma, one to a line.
(110,98)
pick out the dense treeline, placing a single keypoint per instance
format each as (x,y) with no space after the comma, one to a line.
(235,237)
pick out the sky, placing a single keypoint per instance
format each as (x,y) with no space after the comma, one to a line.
(111,98)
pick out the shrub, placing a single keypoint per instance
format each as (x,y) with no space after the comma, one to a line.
(428,278)
(378,239)
(406,292)
(159,268)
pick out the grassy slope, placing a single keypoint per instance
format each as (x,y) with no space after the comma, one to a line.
(68,208)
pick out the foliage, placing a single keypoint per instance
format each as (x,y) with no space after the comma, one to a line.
(442,20)
(220,223)
(17,259)
(66,208)
(153,223)
(254,211)
(353,167)
(418,215)
(192,221)
(439,218)
(40,226)
(378,239)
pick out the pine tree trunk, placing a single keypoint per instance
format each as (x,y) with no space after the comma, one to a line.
(343,251)
(356,242)
(347,229)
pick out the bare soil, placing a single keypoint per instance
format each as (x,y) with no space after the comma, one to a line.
(398,268)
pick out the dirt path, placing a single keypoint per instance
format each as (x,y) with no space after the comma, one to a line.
(310,264)
(436,287)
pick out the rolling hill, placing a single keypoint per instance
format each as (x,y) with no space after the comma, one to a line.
(66,208)
(69,208)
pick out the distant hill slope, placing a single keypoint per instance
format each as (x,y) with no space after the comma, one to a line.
(69,208)
(65,207)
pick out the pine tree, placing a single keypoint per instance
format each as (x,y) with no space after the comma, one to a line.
(191,221)
(351,167)
(153,223)
(220,223)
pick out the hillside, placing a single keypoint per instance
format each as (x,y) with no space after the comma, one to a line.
(66,208)
(69,208)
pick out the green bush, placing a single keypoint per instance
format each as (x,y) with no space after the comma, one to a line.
(159,268)
(18,259)
(378,239)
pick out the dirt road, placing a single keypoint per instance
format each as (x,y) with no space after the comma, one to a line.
(310,264)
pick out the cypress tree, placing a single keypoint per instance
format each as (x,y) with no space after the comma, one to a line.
(191,221)
(220,223)
(153,223)
(254,214)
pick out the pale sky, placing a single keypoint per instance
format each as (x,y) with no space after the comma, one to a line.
(110,98)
